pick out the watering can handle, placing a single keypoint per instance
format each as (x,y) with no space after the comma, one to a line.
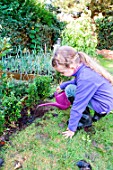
(56,93)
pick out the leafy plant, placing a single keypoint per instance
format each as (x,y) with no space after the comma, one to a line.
(29,24)
(80,34)
(12,107)
(5,46)
(13,94)
(39,89)
(105,32)
(32,94)
(10,101)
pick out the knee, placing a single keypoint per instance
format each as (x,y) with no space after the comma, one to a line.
(70,90)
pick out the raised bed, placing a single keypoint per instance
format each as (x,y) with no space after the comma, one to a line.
(19,76)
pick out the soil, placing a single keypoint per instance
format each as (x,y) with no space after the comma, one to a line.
(24,121)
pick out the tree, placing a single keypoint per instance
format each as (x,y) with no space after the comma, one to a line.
(95,6)
(100,6)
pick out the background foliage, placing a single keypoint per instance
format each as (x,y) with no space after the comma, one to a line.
(96,7)
(80,34)
(28,23)
(105,32)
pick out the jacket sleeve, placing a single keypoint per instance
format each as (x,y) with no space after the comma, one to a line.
(64,84)
(84,92)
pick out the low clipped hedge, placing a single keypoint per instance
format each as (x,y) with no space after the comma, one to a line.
(13,94)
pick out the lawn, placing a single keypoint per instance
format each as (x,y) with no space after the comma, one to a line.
(41,145)
(106,63)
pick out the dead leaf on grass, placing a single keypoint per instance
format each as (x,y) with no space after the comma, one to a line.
(19,162)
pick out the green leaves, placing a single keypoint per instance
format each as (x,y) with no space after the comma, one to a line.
(39,89)
(13,96)
(5,46)
(105,33)
(26,21)
(79,34)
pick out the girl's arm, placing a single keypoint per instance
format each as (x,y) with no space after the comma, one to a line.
(64,84)
(84,93)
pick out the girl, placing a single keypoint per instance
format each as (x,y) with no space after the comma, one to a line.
(93,85)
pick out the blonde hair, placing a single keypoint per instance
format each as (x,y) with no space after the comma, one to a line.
(67,56)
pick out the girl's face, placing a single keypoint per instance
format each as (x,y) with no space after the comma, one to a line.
(65,71)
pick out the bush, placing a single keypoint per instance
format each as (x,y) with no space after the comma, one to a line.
(13,93)
(105,33)
(28,23)
(39,89)
(80,34)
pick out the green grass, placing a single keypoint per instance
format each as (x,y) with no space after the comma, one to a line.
(41,145)
(106,63)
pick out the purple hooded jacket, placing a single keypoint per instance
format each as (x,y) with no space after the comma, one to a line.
(91,88)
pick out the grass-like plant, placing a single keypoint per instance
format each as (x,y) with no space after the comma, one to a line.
(28,63)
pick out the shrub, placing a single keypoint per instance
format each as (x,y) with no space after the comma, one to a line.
(13,93)
(12,107)
(28,23)
(39,89)
(105,32)
(80,34)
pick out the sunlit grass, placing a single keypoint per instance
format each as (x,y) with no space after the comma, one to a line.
(42,147)
(106,63)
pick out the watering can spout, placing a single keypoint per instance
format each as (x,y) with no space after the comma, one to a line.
(60,106)
(61,102)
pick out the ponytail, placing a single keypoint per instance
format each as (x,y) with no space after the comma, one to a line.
(89,62)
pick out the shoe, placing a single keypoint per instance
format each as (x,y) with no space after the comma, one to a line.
(87,111)
(71,99)
(98,116)
(85,121)
(82,164)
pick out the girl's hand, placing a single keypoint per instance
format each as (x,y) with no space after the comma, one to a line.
(68,133)
(58,89)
